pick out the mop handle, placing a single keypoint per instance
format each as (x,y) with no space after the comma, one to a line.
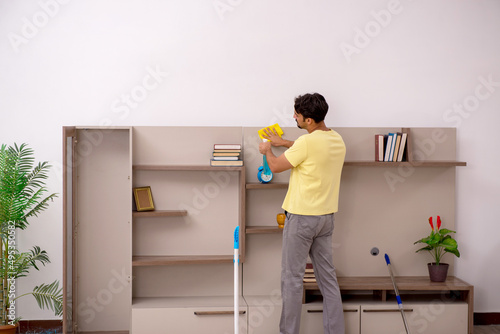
(398,298)
(236,261)
(396,291)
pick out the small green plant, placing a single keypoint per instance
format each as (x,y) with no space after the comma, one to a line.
(22,196)
(439,242)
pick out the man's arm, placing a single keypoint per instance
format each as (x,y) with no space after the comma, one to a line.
(276,164)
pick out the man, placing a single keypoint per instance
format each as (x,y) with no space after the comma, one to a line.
(316,161)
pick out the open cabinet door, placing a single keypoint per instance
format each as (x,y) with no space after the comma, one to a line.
(97,229)
(68,222)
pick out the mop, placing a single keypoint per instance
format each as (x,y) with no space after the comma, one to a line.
(236,261)
(396,291)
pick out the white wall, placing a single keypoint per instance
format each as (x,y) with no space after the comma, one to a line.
(237,62)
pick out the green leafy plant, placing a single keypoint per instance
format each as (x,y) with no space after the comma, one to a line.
(439,242)
(22,196)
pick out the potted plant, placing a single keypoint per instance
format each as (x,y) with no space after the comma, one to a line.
(438,243)
(22,196)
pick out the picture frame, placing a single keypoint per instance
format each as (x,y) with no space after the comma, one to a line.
(143,199)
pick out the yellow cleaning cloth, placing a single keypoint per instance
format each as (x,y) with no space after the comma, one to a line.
(276,127)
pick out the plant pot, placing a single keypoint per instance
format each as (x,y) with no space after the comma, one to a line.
(8,329)
(438,272)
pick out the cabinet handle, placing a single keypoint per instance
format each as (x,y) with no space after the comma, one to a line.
(216,312)
(388,310)
(321,311)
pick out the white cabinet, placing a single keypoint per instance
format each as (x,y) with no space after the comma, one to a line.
(264,313)
(369,317)
(434,317)
(186,315)
(312,318)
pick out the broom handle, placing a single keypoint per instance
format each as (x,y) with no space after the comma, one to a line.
(396,291)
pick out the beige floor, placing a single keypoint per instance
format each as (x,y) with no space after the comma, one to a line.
(487,329)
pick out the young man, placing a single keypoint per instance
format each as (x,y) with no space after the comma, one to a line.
(316,160)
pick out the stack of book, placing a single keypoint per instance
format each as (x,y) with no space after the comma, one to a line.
(309,275)
(226,155)
(391,147)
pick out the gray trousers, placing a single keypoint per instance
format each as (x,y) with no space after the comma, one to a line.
(303,236)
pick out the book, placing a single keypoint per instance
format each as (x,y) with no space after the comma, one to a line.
(225,158)
(309,276)
(393,145)
(227,146)
(226,162)
(402,146)
(396,147)
(388,148)
(226,154)
(379,147)
(226,150)
(309,280)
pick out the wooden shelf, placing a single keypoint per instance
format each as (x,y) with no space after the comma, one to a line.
(138,261)
(263,230)
(159,213)
(381,285)
(370,163)
(420,283)
(185,168)
(258,185)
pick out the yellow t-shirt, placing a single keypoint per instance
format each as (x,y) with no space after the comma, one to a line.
(317,159)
